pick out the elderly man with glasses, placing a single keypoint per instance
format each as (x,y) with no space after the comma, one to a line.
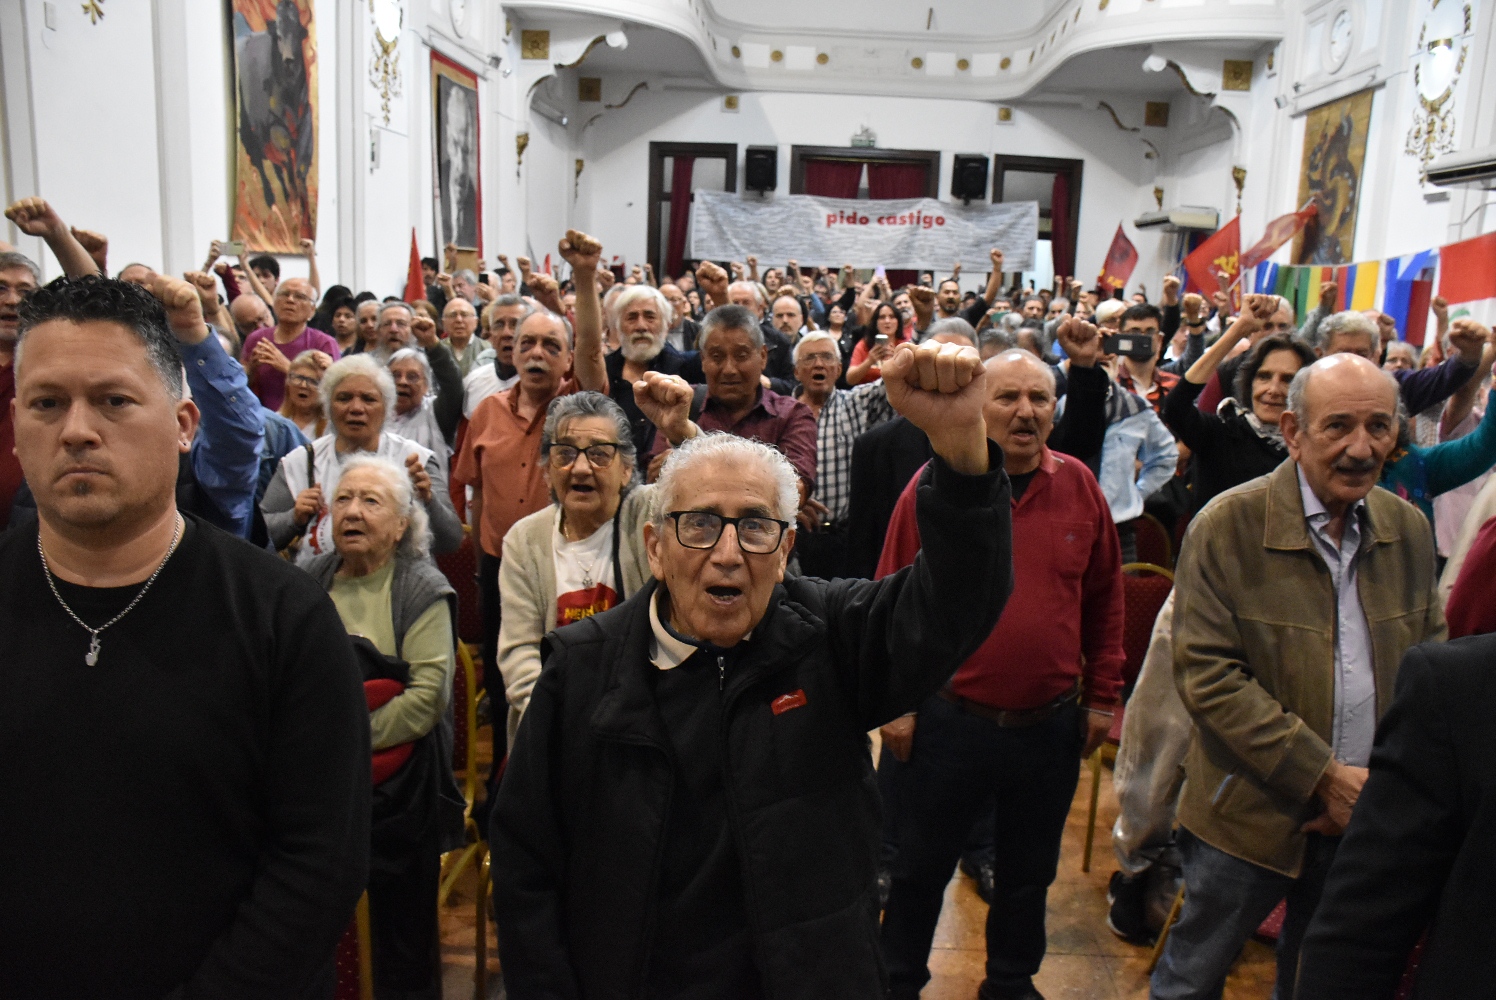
(689,808)
(268,351)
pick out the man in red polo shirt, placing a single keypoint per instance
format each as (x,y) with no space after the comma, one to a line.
(1015,721)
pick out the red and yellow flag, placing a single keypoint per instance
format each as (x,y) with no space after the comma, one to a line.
(1216,263)
(1121,259)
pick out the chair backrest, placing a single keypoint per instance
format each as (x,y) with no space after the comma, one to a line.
(465,722)
(1145,587)
(461,570)
(354,963)
(1152,539)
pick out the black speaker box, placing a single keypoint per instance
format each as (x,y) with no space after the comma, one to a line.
(761,168)
(969,177)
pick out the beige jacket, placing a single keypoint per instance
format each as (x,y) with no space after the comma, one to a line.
(527,590)
(1254,653)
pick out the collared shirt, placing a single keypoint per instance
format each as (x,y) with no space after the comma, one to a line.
(847,413)
(668,362)
(482,382)
(1355,672)
(1162,382)
(469,356)
(501,454)
(666,650)
(781,421)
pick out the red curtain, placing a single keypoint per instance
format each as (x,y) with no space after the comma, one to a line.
(1061,245)
(832,178)
(680,214)
(898,180)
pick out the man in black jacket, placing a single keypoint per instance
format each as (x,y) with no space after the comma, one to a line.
(1417,853)
(689,808)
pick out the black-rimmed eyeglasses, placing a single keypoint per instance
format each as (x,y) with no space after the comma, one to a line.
(701,529)
(599,456)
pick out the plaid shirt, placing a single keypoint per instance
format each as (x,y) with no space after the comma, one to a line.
(847,413)
(1162,382)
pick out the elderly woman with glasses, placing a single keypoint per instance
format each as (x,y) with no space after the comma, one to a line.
(585,552)
(394,600)
(690,808)
(303,402)
(428,392)
(357,394)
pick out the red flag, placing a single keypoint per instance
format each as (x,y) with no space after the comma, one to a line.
(547,263)
(415,281)
(1216,263)
(1278,232)
(1120,261)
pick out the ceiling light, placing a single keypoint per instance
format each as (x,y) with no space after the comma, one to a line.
(617,39)
(1155,64)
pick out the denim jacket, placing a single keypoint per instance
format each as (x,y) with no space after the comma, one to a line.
(1132,438)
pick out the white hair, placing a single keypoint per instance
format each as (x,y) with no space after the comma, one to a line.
(631,294)
(416,542)
(752,286)
(358,364)
(414,354)
(728,448)
(1351,322)
(813,337)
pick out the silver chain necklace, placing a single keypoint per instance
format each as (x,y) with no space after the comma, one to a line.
(92,656)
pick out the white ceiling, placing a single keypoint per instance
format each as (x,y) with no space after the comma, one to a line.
(909,19)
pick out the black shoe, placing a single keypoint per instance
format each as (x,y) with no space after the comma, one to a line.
(983,875)
(989,992)
(1127,917)
(885,883)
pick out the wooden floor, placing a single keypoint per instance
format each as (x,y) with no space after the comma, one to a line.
(1085,961)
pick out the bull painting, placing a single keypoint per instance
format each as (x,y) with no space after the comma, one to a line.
(275,59)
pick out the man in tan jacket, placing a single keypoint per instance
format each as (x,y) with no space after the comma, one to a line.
(1296,595)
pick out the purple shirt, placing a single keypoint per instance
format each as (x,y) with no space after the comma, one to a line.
(781,421)
(269,384)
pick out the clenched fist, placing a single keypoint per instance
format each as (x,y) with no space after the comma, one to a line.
(184,309)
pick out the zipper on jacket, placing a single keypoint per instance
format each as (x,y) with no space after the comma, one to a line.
(721,673)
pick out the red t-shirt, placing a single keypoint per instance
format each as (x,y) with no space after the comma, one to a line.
(1067,594)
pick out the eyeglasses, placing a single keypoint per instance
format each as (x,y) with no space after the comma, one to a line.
(599,456)
(701,529)
(306,380)
(293,296)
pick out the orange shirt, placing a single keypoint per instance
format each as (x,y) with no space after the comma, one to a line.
(501,455)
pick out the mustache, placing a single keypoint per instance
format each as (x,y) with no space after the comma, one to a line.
(1356,466)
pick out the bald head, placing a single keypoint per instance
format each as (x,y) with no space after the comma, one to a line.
(250,313)
(459,321)
(1342,423)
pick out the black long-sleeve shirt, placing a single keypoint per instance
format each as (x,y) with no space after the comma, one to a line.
(189,817)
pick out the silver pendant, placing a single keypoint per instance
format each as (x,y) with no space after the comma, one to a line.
(92,656)
(586,581)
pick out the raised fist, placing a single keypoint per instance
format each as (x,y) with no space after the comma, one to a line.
(34,217)
(184,309)
(423,329)
(1081,341)
(581,251)
(1171,290)
(97,245)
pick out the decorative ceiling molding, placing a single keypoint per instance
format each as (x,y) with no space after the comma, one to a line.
(878,61)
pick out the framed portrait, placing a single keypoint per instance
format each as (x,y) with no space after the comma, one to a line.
(1331,172)
(459,191)
(275,134)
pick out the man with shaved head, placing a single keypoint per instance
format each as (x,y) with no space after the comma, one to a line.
(1007,733)
(1296,596)
(459,323)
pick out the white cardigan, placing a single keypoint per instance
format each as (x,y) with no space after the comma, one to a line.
(527,590)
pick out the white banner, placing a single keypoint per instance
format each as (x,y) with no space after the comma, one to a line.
(896,233)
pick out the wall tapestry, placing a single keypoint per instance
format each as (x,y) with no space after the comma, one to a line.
(275,173)
(1334,158)
(459,193)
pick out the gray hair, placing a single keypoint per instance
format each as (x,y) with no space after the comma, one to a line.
(416,542)
(466,274)
(591,404)
(1352,322)
(631,294)
(308,359)
(752,286)
(1000,336)
(358,364)
(951,325)
(14,258)
(815,337)
(501,302)
(396,304)
(1403,347)
(571,339)
(413,354)
(1300,385)
(730,318)
(723,447)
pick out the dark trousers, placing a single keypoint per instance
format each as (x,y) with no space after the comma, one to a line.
(978,850)
(403,933)
(959,765)
(1127,535)
(493,681)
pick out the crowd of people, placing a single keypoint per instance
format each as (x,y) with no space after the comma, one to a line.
(230,661)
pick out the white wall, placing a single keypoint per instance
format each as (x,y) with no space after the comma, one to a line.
(614,187)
